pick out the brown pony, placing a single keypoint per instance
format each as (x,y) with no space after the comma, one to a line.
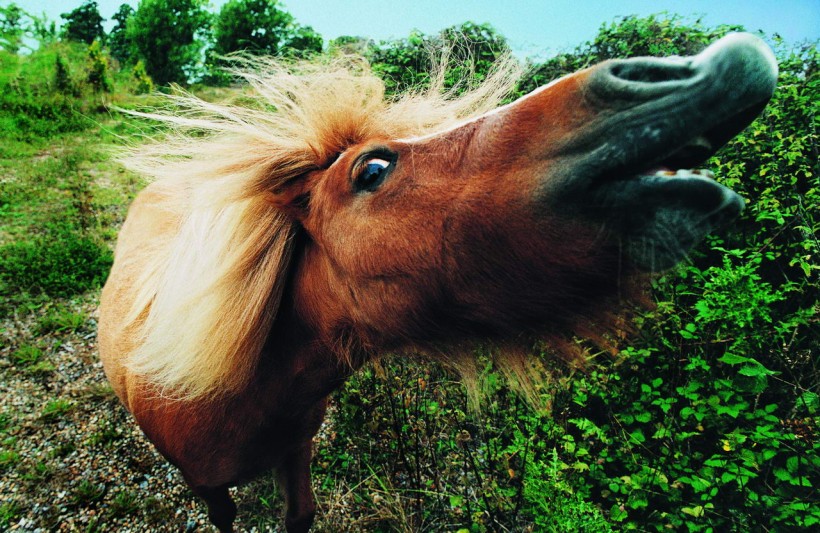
(293,235)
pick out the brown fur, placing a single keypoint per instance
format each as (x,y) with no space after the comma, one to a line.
(254,275)
(291,309)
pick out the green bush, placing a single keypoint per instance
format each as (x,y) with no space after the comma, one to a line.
(61,264)
(142,81)
(98,76)
(708,422)
(39,93)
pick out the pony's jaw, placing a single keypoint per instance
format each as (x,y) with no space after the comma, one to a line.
(653,118)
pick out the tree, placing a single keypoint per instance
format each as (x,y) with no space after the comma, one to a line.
(118,42)
(261,27)
(351,44)
(84,23)
(11,28)
(166,36)
(406,63)
(304,41)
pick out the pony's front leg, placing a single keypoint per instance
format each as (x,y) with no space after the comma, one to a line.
(294,479)
(221,508)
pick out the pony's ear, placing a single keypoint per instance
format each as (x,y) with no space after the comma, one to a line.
(293,197)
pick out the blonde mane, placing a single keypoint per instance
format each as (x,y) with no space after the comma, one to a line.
(211,290)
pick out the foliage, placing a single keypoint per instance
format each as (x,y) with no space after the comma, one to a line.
(55,410)
(254,26)
(257,27)
(62,77)
(8,511)
(304,42)
(655,35)
(167,37)
(38,92)
(142,81)
(707,422)
(98,76)
(53,230)
(84,23)
(407,63)
(11,27)
(118,43)
(350,45)
(58,264)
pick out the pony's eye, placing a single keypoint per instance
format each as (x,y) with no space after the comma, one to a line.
(372,174)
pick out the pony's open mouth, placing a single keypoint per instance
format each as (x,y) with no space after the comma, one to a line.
(663,206)
(685,161)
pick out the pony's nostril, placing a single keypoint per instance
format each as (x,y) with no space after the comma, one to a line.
(650,71)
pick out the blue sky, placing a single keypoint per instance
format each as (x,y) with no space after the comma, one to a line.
(533,27)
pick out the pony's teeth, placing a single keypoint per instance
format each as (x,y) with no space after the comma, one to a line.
(686,173)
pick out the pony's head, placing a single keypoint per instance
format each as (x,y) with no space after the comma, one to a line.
(434,219)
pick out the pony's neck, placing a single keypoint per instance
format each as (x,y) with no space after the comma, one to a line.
(313,324)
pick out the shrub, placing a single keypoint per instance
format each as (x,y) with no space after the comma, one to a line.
(142,81)
(62,77)
(98,76)
(58,264)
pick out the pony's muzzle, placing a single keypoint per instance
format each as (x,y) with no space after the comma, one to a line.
(740,61)
(657,121)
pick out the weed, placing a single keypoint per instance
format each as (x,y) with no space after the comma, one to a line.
(98,392)
(5,421)
(54,410)
(8,459)
(41,368)
(27,354)
(141,79)
(63,449)
(87,493)
(31,357)
(38,472)
(156,510)
(59,264)
(107,434)
(555,506)
(62,79)
(123,504)
(8,513)
(61,320)
(98,76)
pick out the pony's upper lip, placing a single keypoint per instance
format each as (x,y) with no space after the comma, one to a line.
(694,152)
(674,112)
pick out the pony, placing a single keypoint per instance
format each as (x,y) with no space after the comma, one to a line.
(294,234)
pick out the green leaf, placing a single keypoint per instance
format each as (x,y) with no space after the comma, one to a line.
(696,511)
(782,474)
(616,514)
(755,370)
(732,359)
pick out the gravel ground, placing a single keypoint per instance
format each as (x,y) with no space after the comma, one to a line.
(72,459)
